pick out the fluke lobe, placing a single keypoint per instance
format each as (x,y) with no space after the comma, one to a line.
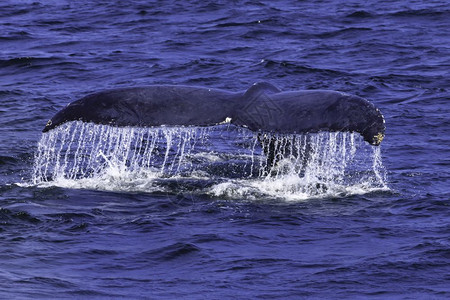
(262,108)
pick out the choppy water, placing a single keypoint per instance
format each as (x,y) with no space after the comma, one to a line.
(191,212)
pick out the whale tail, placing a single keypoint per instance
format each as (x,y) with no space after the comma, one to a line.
(262,108)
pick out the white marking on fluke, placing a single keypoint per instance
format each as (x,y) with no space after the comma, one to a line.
(226,121)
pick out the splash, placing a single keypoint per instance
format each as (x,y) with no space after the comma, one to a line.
(314,166)
(223,161)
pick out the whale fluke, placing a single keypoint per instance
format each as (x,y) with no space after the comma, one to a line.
(262,108)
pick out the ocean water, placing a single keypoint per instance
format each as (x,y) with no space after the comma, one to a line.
(91,211)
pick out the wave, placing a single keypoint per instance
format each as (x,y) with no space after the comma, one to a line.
(426,12)
(335,33)
(295,67)
(16,36)
(360,14)
(8,217)
(171,252)
(27,61)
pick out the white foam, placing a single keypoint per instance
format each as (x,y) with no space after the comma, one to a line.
(229,159)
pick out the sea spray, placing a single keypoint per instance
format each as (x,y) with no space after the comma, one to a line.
(78,150)
(224,160)
(331,164)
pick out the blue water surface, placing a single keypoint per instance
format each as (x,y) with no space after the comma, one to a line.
(177,242)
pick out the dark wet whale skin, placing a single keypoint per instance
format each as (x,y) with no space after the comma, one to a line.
(263,107)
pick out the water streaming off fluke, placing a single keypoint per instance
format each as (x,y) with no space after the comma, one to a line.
(224,160)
